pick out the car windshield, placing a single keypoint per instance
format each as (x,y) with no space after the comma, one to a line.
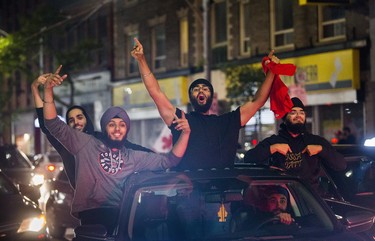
(223,210)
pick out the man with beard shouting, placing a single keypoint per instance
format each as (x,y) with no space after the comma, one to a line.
(295,150)
(214,139)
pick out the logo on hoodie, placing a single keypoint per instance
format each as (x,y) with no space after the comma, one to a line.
(111,162)
(293,160)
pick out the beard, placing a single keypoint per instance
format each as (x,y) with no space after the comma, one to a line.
(114,143)
(295,128)
(201,108)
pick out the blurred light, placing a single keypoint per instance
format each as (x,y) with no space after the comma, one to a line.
(34,224)
(37,180)
(334,140)
(51,168)
(26,137)
(370,142)
(128,90)
(254,142)
(349,173)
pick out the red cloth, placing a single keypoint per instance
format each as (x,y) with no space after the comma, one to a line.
(280,100)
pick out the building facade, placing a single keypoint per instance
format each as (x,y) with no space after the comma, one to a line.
(328,41)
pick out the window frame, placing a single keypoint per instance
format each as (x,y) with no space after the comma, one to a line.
(274,32)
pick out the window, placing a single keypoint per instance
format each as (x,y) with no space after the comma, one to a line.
(219,32)
(132,63)
(282,31)
(331,23)
(158,44)
(184,41)
(244,27)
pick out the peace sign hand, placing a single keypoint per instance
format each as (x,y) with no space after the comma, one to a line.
(55,79)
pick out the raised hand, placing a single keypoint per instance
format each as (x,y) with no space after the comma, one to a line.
(137,51)
(272,58)
(55,79)
(41,79)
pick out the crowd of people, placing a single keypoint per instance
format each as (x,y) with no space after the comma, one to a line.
(98,162)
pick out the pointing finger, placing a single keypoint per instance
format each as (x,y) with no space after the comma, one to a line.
(58,69)
(271,53)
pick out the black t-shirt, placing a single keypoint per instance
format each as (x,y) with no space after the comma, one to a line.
(213,140)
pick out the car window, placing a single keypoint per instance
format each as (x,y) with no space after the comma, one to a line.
(13,158)
(6,187)
(221,208)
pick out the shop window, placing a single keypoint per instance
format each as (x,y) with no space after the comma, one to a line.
(282,30)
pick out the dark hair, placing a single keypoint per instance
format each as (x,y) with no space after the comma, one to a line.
(201,81)
(89,127)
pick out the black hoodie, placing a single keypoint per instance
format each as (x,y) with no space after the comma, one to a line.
(297,163)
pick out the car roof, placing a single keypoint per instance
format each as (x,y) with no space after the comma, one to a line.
(255,171)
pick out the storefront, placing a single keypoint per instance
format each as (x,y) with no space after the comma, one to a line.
(327,83)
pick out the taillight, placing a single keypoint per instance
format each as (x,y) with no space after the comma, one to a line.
(51,168)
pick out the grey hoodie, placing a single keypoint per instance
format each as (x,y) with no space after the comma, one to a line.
(100,171)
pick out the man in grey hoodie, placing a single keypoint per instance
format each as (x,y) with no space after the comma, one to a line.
(103,165)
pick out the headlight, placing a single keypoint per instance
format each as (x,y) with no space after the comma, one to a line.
(33,224)
(37,180)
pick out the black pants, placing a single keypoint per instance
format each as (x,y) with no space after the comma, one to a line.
(107,217)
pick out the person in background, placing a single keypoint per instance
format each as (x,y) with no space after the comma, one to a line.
(77,118)
(214,138)
(102,166)
(295,149)
(346,136)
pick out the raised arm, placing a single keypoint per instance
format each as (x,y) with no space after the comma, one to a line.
(38,102)
(249,109)
(49,108)
(165,107)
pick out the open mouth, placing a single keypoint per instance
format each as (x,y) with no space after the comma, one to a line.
(201,98)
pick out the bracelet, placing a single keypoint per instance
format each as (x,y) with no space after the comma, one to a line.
(48,102)
(145,75)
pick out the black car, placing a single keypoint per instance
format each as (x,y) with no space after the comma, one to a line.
(356,183)
(20,218)
(17,166)
(218,205)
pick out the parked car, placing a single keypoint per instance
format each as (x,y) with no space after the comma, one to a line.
(56,199)
(356,183)
(207,205)
(48,164)
(16,165)
(20,218)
